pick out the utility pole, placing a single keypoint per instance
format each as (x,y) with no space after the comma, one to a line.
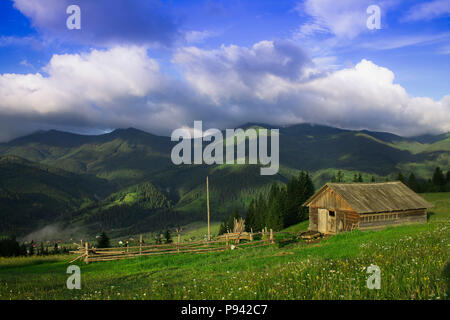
(207,204)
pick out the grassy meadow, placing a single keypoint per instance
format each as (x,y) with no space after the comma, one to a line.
(414,262)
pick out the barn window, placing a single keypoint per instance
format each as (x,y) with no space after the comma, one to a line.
(331,213)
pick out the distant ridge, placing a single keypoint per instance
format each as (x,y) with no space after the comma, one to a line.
(53,135)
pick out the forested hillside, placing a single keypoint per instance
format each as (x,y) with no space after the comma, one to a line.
(126,180)
(32,195)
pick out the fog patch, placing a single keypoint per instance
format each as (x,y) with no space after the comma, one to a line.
(55,232)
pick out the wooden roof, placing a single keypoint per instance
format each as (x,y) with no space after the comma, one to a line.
(375,197)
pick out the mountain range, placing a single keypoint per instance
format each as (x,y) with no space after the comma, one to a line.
(124,180)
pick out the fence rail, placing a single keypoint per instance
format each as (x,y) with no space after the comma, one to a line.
(225,242)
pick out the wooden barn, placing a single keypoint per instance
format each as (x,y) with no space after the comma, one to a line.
(338,207)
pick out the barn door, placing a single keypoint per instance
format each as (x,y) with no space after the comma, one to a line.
(323,218)
(331,226)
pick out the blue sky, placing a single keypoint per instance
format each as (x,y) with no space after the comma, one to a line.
(190,40)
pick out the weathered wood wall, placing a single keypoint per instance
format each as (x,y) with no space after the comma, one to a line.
(346,220)
(383,219)
(332,201)
(313,219)
(345,217)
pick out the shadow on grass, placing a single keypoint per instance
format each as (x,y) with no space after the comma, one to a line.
(446,274)
(287,242)
(28,262)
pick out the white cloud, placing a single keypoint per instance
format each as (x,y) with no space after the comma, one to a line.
(194,36)
(363,96)
(271,82)
(395,42)
(444,50)
(6,41)
(345,18)
(104,22)
(428,11)
(261,72)
(366,96)
(113,88)
(79,80)
(310,29)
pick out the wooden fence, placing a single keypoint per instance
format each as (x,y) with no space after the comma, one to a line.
(226,242)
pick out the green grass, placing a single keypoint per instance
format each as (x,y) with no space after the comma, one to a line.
(199,231)
(412,259)
(441,202)
(302,226)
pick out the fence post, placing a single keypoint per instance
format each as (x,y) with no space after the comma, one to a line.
(251,235)
(226,238)
(179,242)
(86,247)
(140,244)
(271,237)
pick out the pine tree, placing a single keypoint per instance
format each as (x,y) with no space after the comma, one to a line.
(158,238)
(372,179)
(439,179)
(23,250)
(283,206)
(260,213)
(223,228)
(55,249)
(103,241)
(292,202)
(307,192)
(275,208)
(413,183)
(250,217)
(9,247)
(168,236)
(31,252)
(447,180)
(340,176)
(400,177)
(360,179)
